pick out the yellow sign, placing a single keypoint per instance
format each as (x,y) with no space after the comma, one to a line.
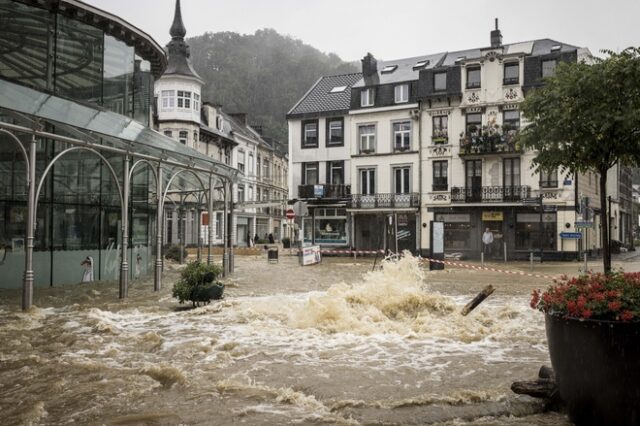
(489,216)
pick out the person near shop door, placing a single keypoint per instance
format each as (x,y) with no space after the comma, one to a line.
(487,241)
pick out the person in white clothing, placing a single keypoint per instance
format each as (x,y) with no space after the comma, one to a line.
(87,275)
(487,241)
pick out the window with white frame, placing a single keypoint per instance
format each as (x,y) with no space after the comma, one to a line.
(196,102)
(251,163)
(367,181)
(310,134)
(367,138)
(511,120)
(241,161)
(335,172)
(549,178)
(168,99)
(183,137)
(335,132)
(240,193)
(401,93)
(250,193)
(367,97)
(258,166)
(401,179)
(310,173)
(440,134)
(511,73)
(184,99)
(473,77)
(402,136)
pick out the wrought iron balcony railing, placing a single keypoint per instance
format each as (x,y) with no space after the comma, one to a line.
(375,201)
(324,191)
(489,194)
(487,142)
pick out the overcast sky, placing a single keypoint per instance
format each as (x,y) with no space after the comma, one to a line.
(392,29)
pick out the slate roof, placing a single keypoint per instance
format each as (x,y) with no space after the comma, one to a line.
(319,98)
(405,69)
(178,55)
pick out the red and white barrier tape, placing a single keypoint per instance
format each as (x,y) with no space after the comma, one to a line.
(486,268)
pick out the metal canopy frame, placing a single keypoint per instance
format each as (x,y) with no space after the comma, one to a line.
(98,132)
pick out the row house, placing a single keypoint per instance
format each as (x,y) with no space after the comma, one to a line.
(431,138)
(182,114)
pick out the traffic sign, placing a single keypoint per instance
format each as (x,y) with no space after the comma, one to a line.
(290,214)
(584,224)
(571,235)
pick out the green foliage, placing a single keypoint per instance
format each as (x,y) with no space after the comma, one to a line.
(263,74)
(587,118)
(197,283)
(173,253)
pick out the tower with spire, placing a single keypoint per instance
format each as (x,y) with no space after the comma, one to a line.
(178,90)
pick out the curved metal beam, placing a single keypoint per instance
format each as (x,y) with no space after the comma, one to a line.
(15,139)
(155,174)
(176,174)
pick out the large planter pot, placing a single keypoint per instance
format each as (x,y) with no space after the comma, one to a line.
(597,367)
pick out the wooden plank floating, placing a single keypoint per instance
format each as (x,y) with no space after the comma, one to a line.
(486,292)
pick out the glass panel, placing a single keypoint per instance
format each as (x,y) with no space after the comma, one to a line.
(473,77)
(511,73)
(117,89)
(548,68)
(78,70)
(24,43)
(440,82)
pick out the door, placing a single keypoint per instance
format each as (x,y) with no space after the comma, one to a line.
(474,180)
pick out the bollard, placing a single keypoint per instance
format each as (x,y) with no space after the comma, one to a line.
(482,258)
(531,261)
(585,263)
(505,251)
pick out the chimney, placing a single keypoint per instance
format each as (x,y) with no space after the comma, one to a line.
(258,128)
(240,117)
(210,114)
(369,66)
(496,36)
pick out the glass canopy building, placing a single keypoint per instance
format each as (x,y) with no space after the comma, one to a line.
(81,173)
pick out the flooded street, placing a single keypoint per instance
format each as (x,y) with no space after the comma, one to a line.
(328,344)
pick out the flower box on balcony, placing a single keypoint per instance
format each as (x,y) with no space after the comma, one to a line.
(440,140)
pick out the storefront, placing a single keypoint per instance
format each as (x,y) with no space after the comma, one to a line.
(326,226)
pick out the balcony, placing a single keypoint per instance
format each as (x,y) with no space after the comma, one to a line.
(385,201)
(489,194)
(489,141)
(333,192)
(440,137)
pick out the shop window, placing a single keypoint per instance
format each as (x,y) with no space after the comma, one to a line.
(330,228)
(528,231)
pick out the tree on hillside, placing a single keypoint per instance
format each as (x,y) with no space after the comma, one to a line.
(263,74)
(587,118)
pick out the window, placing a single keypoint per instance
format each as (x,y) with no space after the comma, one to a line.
(338,89)
(549,68)
(196,102)
(250,163)
(388,69)
(528,231)
(310,173)
(511,178)
(440,82)
(250,193)
(335,172)
(402,136)
(440,176)
(265,168)
(440,133)
(310,134)
(184,99)
(402,93)
(420,64)
(401,178)
(367,97)
(473,77)
(168,99)
(335,132)
(549,179)
(367,137)
(511,120)
(183,137)
(511,73)
(240,193)
(241,161)
(168,133)
(367,181)
(474,123)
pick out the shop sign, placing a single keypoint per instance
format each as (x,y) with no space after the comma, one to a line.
(535,217)
(571,235)
(453,218)
(492,216)
(318,191)
(310,255)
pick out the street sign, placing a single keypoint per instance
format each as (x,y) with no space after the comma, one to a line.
(584,224)
(571,235)
(535,200)
(290,214)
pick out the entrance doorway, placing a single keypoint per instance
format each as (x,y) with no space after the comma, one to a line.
(494,250)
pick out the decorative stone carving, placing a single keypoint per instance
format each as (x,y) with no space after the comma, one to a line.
(511,94)
(492,56)
(473,98)
(550,195)
(439,197)
(440,151)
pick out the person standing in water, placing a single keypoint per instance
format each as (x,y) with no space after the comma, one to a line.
(487,241)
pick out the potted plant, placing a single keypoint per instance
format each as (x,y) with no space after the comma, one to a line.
(198,284)
(593,331)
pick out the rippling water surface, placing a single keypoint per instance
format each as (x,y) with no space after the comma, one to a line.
(329,344)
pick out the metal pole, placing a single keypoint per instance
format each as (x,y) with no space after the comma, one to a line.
(157,276)
(504,245)
(231,229)
(210,233)
(482,259)
(27,285)
(586,266)
(199,226)
(225,231)
(124,265)
(531,261)
(541,231)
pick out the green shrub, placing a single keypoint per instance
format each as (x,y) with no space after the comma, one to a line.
(198,283)
(286,242)
(173,253)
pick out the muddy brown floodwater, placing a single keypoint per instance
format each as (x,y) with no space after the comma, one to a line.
(328,344)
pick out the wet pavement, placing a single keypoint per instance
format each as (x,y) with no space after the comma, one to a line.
(335,343)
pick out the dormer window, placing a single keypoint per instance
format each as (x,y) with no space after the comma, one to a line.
(473,77)
(401,93)
(440,82)
(389,69)
(219,123)
(367,97)
(556,47)
(196,102)
(420,64)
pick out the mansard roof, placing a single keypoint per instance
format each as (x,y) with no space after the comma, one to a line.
(321,99)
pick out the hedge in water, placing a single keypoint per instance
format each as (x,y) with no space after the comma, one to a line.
(198,283)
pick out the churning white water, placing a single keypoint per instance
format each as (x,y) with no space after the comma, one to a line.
(380,347)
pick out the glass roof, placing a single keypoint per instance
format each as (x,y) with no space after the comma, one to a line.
(111,128)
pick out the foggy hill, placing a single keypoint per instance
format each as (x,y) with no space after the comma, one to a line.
(263,74)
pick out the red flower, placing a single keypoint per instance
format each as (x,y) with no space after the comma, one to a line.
(615,305)
(626,316)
